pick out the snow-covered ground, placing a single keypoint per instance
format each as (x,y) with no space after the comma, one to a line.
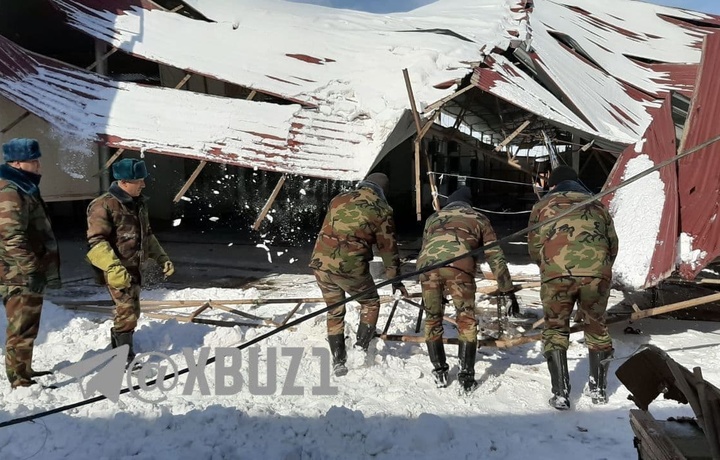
(386,407)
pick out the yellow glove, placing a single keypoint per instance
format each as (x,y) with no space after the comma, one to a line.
(118,277)
(168,268)
(102,256)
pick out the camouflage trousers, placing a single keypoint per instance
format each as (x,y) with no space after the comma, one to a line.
(23,309)
(334,287)
(127,307)
(461,286)
(559,296)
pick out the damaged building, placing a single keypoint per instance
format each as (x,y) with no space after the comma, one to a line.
(253,114)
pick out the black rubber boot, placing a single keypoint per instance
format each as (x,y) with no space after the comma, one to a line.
(339,356)
(466,356)
(560,378)
(436,350)
(118,339)
(598,375)
(34,373)
(365,333)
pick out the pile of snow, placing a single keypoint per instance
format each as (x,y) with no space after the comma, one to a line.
(386,407)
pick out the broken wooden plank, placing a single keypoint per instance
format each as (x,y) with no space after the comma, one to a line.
(292,312)
(439,103)
(212,322)
(194,314)
(269,202)
(675,306)
(512,135)
(190,181)
(652,437)
(225,308)
(418,129)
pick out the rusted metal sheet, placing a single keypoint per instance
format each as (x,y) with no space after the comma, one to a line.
(699,174)
(281,138)
(659,145)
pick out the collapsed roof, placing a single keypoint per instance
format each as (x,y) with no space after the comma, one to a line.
(342,70)
(338,100)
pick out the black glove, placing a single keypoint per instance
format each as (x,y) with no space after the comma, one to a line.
(36,282)
(399,286)
(514,309)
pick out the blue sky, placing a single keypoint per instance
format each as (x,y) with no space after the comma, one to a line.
(389,6)
(708,6)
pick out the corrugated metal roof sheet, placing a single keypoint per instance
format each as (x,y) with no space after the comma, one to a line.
(699,174)
(603,98)
(592,61)
(658,145)
(282,138)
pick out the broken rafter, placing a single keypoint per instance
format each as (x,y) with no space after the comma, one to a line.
(269,202)
(147,305)
(190,181)
(421,131)
(438,104)
(512,136)
(191,319)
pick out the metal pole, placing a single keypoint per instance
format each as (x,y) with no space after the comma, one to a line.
(103,150)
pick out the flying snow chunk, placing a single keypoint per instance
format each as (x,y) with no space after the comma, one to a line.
(184,198)
(176,222)
(269,217)
(214,219)
(263,246)
(302,191)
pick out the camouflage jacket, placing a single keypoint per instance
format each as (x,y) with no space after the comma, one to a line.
(583,243)
(355,221)
(122,221)
(457,229)
(28,244)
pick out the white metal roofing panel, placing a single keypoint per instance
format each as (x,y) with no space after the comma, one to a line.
(273,137)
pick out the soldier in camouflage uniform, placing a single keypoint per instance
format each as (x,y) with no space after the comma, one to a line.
(121,240)
(28,255)
(455,230)
(575,255)
(355,221)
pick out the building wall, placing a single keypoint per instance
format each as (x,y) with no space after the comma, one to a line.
(68,164)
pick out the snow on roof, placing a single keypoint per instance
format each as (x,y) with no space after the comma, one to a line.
(345,64)
(594,53)
(152,119)
(345,67)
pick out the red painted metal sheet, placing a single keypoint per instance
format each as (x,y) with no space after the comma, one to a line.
(680,77)
(699,174)
(281,138)
(659,146)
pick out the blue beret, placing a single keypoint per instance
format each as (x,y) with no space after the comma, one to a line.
(129,169)
(21,150)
